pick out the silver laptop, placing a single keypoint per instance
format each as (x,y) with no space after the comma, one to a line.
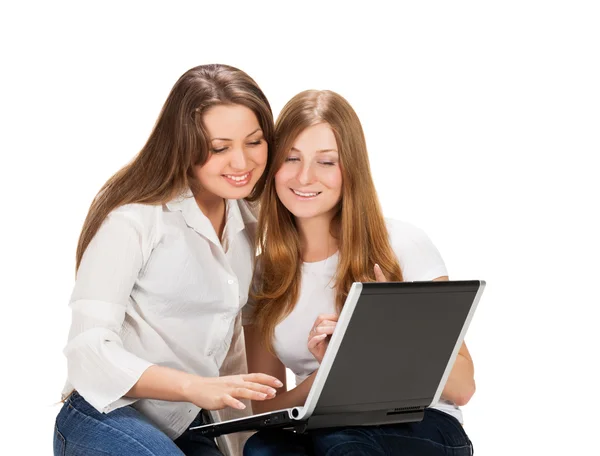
(388,359)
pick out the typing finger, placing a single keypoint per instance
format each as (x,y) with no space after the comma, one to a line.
(262,378)
(229,401)
(245,393)
(260,388)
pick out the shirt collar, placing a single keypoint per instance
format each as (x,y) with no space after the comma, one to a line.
(238,215)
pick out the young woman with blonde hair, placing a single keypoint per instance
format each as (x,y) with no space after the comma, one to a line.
(321,228)
(164,263)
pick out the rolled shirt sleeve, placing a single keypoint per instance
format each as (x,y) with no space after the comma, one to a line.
(99,367)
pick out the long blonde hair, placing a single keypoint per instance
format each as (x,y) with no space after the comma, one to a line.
(358,225)
(178,142)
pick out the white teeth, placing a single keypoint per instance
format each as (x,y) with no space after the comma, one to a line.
(305,195)
(238,178)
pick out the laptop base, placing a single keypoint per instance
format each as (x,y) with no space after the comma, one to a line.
(371,418)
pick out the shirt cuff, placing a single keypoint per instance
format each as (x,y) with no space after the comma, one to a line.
(101,370)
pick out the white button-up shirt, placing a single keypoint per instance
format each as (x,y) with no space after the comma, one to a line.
(156,286)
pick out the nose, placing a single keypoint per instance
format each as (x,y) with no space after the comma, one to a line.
(306,174)
(238,159)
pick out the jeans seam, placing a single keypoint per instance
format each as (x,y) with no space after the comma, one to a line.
(96,450)
(125,435)
(62,440)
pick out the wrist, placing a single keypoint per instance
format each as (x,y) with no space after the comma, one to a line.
(187,385)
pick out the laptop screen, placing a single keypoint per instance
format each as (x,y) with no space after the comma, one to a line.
(386,359)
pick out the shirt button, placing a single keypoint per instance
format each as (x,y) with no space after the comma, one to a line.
(230,281)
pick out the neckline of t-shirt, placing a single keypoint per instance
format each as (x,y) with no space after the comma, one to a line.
(320,264)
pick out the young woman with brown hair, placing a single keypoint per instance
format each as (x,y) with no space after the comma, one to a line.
(321,228)
(164,263)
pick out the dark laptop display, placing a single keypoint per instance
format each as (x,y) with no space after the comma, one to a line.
(390,356)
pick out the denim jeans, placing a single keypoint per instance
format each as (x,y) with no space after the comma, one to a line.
(82,430)
(436,435)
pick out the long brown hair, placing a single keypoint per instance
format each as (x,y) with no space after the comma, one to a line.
(163,168)
(358,224)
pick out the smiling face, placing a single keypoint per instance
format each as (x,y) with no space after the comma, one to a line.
(309,183)
(238,152)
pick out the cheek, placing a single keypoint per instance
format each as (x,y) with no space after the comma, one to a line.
(333,179)
(282,176)
(259,154)
(199,173)
(278,182)
(282,179)
(209,169)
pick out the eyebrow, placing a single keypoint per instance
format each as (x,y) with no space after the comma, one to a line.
(294,149)
(228,139)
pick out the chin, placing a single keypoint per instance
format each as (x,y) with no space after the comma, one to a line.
(231,192)
(240,193)
(307,214)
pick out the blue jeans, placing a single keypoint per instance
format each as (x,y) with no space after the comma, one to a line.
(82,430)
(436,435)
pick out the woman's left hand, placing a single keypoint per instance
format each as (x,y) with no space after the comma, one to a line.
(318,338)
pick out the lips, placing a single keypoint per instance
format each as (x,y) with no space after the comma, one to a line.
(305,195)
(238,180)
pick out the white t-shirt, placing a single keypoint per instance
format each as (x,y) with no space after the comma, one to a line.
(156,286)
(419,260)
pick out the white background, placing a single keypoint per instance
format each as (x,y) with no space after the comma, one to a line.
(482,121)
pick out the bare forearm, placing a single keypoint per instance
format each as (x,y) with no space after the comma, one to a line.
(210,393)
(163,383)
(292,398)
(460,386)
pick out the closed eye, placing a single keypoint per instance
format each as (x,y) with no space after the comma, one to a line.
(289,159)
